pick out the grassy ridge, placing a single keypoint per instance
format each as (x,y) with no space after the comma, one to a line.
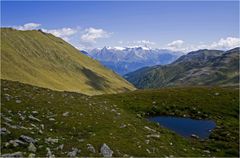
(44,60)
(118,120)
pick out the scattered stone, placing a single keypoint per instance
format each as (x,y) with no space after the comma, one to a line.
(65,114)
(18,101)
(7,144)
(21,117)
(139,115)
(81,140)
(123,126)
(16,154)
(60,147)
(106,151)
(8,97)
(91,148)
(49,153)
(33,118)
(11,126)
(4,131)
(206,151)
(153,136)
(149,129)
(149,152)
(42,126)
(31,155)
(74,152)
(195,136)
(147,141)
(27,139)
(216,94)
(51,140)
(34,112)
(7,119)
(5,89)
(51,119)
(16,142)
(32,148)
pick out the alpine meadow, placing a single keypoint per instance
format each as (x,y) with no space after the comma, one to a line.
(119,79)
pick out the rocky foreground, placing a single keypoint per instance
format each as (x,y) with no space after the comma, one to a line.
(41,122)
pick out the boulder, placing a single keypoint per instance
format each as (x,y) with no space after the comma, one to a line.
(74,152)
(32,148)
(18,101)
(33,118)
(27,139)
(91,148)
(51,140)
(195,136)
(106,151)
(16,142)
(65,114)
(4,131)
(49,153)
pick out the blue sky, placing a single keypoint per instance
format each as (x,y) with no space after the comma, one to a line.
(176,25)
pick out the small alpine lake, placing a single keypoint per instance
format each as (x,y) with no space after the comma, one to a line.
(186,127)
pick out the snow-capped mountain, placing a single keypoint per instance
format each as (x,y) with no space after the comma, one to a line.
(123,60)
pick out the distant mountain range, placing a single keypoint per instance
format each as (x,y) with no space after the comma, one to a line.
(123,60)
(202,67)
(41,59)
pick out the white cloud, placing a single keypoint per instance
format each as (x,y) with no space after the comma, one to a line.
(177,45)
(144,42)
(222,44)
(64,33)
(28,26)
(227,43)
(92,34)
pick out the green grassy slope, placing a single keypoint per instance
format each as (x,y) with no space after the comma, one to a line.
(203,67)
(117,120)
(44,60)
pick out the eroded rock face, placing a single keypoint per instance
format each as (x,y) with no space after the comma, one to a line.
(106,151)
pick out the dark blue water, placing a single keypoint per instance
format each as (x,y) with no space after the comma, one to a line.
(186,126)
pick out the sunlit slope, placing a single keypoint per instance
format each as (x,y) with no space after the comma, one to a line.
(44,60)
